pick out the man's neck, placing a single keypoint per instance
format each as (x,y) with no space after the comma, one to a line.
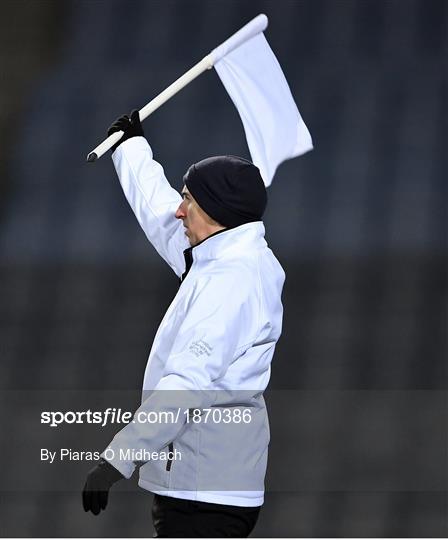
(213,232)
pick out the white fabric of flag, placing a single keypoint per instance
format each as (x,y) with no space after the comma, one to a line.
(275,130)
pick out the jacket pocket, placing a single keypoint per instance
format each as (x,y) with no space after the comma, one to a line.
(170,459)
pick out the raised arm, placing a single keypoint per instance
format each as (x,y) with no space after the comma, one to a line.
(149,193)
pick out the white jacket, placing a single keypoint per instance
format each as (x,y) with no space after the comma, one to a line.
(212,351)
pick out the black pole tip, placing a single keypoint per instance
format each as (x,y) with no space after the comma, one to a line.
(92,157)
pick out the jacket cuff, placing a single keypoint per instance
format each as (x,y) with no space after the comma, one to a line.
(131,145)
(115,456)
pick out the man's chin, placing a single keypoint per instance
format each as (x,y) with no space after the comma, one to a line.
(190,240)
(193,242)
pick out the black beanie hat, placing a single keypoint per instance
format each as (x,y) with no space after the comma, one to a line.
(228,188)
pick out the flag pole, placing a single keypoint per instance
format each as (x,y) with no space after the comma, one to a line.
(252,28)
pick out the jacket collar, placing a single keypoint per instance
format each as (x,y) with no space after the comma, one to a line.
(230,242)
(225,243)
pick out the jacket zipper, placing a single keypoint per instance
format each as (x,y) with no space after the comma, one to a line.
(188,256)
(170,460)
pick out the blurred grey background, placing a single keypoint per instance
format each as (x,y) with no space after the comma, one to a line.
(359,403)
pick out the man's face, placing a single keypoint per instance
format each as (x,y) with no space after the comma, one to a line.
(198,225)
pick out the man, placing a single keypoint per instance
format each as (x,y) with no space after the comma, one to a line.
(211,356)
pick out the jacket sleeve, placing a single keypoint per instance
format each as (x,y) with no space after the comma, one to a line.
(218,329)
(152,199)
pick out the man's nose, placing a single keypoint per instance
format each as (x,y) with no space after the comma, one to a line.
(180,214)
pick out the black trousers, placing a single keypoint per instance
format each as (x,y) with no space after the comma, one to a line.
(180,518)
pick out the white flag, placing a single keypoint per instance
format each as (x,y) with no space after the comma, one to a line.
(255,81)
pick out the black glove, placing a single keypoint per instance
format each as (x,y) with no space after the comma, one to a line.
(131,127)
(96,489)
